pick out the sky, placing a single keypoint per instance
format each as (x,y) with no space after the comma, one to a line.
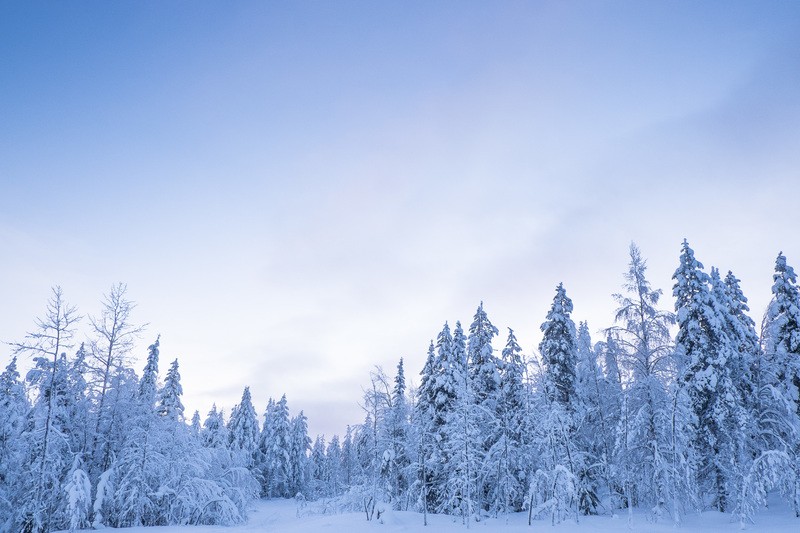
(296,192)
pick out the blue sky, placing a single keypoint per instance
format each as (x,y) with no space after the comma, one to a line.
(295,192)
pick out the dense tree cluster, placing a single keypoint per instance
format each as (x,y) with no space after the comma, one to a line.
(85,442)
(668,412)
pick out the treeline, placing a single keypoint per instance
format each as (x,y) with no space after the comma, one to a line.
(707,419)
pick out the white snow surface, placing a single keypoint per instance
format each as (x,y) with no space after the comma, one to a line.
(282,516)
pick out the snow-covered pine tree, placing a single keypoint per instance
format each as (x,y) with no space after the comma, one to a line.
(13,408)
(484,369)
(278,458)
(78,497)
(703,350)
(300,443)
(148,385)
(194,425)
(137,472)
(318,482)
(511,448)
(783,331)
(214,433)
(448,374)
(592,433)
(349,459)
(463,453)
(264,443)
(422,431)
(734,387)
(333,461)
(559,351)
(484,375)
(243,430)
(554,487)
(396,462)
(78,406)
(782,353)
(169,403)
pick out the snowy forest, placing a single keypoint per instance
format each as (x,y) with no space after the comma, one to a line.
(667,412)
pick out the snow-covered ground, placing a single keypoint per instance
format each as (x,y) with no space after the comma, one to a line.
(282,516)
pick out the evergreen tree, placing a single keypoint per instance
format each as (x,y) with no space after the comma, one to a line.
(13,408)
(463,452)
(510,449)
(279,459)
(423,434)
(559,352)
(78,492)
(782,352)
(169,397)
(484,375)
(194,425)
(484,370)
(704,350)
(556,485)
(243,430)
(300,443)
(214,433)
(333,461)
(318,475)
(397,461)
(148,385)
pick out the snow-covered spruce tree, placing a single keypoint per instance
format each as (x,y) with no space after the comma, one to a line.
(396,460)
(78,497)
(782,354)
(78,406)
(510,451)
(349,458)
(300,443)
(736,388)
(703,351)
(333,462)
(264,442)
(463,437)
(612,402)
(214,433)
(318,486)
(36,493)
(195,425)
(137,471)
(561,460)
(559,351)
(422,433)
(148,385)
(761,462)
(13,408)
(591,416)
(447,379)
(484,375)
(169,403)
(278,459)
(640,343)
(243,431)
